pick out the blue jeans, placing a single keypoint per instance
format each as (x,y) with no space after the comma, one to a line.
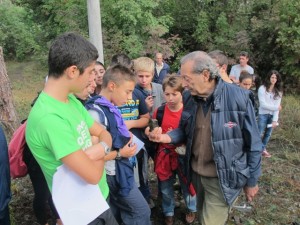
(132,209)
(265,132)
(168,201)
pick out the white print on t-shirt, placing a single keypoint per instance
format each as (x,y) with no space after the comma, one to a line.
(84,139)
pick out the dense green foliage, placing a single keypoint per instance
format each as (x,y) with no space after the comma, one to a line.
(17,32)
(268,29)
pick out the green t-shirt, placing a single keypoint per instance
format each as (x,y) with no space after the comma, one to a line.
(54,130)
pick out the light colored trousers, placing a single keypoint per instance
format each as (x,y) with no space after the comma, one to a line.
(212,208)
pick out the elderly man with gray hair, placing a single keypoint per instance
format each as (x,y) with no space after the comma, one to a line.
(223,145)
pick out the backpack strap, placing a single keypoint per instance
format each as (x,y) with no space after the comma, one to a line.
(91,105)
(160,114)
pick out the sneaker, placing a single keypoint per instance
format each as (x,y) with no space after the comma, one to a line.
(266,154)
(151,203)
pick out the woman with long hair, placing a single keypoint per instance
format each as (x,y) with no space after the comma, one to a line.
(269,96)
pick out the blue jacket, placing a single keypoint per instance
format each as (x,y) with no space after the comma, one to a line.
(5,194)
(124,168)
(158,78)
(235,138)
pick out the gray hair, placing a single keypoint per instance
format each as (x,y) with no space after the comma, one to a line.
(202,61)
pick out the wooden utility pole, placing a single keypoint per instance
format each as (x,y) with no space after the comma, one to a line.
(8,116)
(95,29)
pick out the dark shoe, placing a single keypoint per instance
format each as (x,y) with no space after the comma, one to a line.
(190,217)
(169,220)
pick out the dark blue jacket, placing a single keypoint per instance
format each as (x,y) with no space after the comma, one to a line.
(5,194)
(235,138)
(158,78)
(124,168)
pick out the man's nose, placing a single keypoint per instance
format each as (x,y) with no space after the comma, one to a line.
(183,83)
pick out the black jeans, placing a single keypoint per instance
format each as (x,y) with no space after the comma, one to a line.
(106,218)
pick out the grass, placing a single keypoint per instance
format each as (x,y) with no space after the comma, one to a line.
(278,201)
(26,78)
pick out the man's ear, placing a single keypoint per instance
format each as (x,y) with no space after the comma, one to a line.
(206,75)
(72,72)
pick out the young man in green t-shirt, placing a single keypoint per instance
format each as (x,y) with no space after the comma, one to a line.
(59,129)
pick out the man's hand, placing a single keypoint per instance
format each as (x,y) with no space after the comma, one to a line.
(250,192)
(157,136)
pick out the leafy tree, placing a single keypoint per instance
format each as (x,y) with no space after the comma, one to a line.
(17,32)
(289,36)
(135,25)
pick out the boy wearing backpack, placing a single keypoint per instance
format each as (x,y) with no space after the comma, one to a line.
(167,158)
(127,202)
(59,129)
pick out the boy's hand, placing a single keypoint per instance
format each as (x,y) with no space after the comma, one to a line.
(149,102)
(95,152)
(128,150)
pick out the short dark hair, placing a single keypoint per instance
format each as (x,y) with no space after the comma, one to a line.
(173,81)
(244,53)
(245,75)
(70,49)
(118,74)
(122,59)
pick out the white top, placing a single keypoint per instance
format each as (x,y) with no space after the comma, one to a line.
(236,70)
(159,68)
(267,103)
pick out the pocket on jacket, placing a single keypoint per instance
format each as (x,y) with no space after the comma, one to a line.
(239,174)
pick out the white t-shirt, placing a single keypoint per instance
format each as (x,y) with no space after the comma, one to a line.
(236,70)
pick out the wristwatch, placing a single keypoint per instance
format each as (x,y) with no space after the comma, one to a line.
(118,155)
(106,148)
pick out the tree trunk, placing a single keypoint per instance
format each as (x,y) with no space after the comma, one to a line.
(8,116)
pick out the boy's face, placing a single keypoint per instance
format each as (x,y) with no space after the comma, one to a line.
(122,93)
(246,83)
(84,79)
(92,84)
(144,79)
(173,97)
